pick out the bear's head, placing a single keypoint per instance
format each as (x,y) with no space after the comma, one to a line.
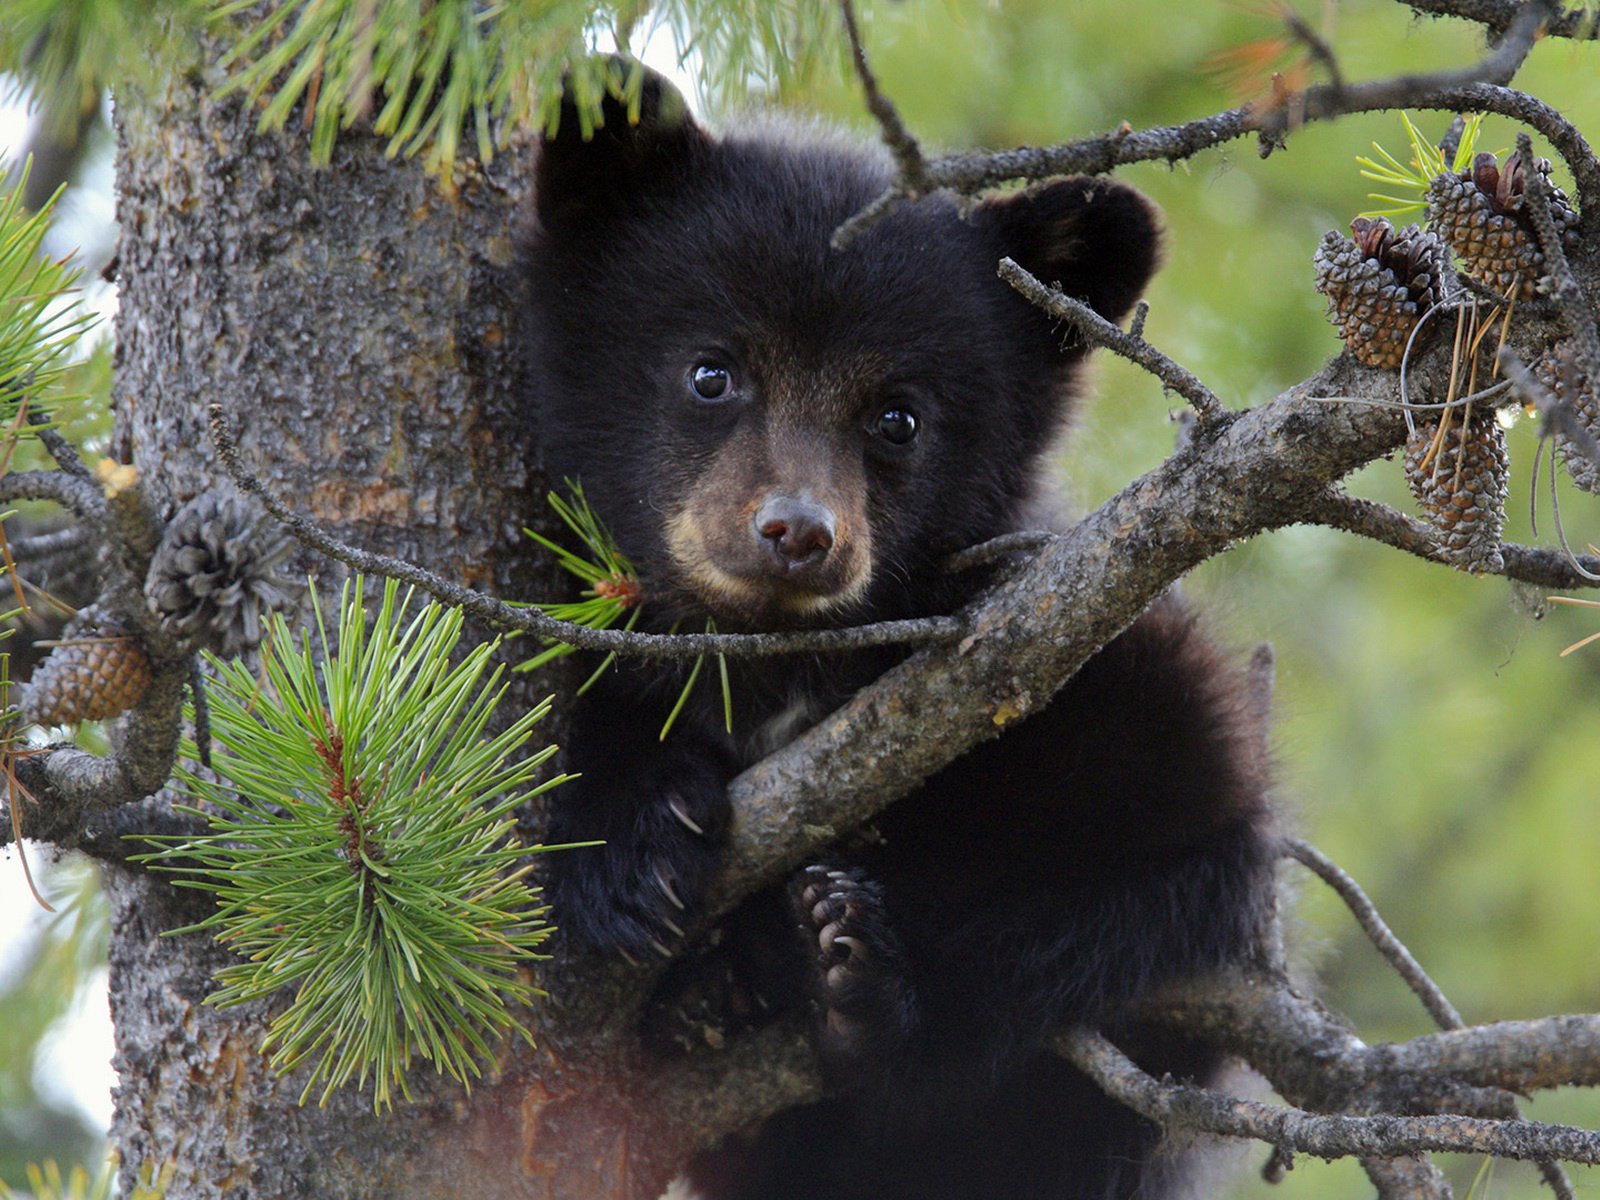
(777,432)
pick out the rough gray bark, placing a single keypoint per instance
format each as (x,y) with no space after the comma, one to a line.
(355,322)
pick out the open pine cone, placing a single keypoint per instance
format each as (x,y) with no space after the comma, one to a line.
(1462,486)
(217,572)
(1559,371)
(1481,213)
(1379,285)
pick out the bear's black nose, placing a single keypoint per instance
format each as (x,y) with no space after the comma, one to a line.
(796,530)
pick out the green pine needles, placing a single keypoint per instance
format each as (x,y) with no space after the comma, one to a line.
(361,848)
(429,72)
(613,589)
(427,75)
(40,319)
(1412,179)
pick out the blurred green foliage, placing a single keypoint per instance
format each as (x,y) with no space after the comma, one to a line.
(1429,737)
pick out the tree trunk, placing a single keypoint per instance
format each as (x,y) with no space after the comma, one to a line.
(358,324)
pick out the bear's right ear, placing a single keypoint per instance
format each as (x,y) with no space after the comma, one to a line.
(1098,239)
(628,149)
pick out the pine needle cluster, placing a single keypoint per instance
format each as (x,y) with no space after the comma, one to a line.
(46,1182)
(428,75)
(63,51)
(361,847)
(40,321)
(1412,179)
(613,590)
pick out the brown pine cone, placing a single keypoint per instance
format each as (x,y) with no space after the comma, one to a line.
(1559,371)
(1481,213)
(98,671)
(1378,286)
(1462,487)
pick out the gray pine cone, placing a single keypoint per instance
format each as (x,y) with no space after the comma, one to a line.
(218,570)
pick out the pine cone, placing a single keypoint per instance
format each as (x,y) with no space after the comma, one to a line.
(1559,371)
(98,671)
(1481,213)
(1463,491)
(216,572)
(1378,286)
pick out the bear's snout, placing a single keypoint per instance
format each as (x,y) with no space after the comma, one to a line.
(796,532)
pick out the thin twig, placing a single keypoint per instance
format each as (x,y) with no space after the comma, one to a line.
(915,631)
(1007,544)
(1477,87)
(80,497)
(1558,415)
(40,549)
(1098,331)
(1316,45)
(202,712)
(1377,931)
(907,153)
(1403,91)
(1407,967)
(1569,296)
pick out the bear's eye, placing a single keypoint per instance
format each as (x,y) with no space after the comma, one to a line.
(897,426)
(711,381)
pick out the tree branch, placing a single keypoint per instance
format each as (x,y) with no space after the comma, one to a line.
(1370,519)
(907,154)
(1479,88)
(500,615)
(1097,331)
(1497,16)
(1324,1136)
(1036,627)
(1377,931)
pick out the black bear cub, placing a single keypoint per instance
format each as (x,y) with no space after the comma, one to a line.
(784,435)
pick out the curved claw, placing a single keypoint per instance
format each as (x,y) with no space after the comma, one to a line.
(676,805)
(667,890)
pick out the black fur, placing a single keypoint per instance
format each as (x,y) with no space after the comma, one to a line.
(1116,840)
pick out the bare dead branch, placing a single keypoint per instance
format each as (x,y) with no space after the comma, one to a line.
(1098,331)
(1559,416)
(69,784)
(63,451)
(42,549)
(995,549)
(1255,473)
(1518,1056)
(81,497)
(1497,16)
(1316,45)
(1409,1177)
(1480,87)
(1176,1105)
(1569,296)
(1370,519)
(1327,101)
(1377,931)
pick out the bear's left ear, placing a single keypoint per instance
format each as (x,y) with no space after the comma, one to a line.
(1099,240)
(643,137)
